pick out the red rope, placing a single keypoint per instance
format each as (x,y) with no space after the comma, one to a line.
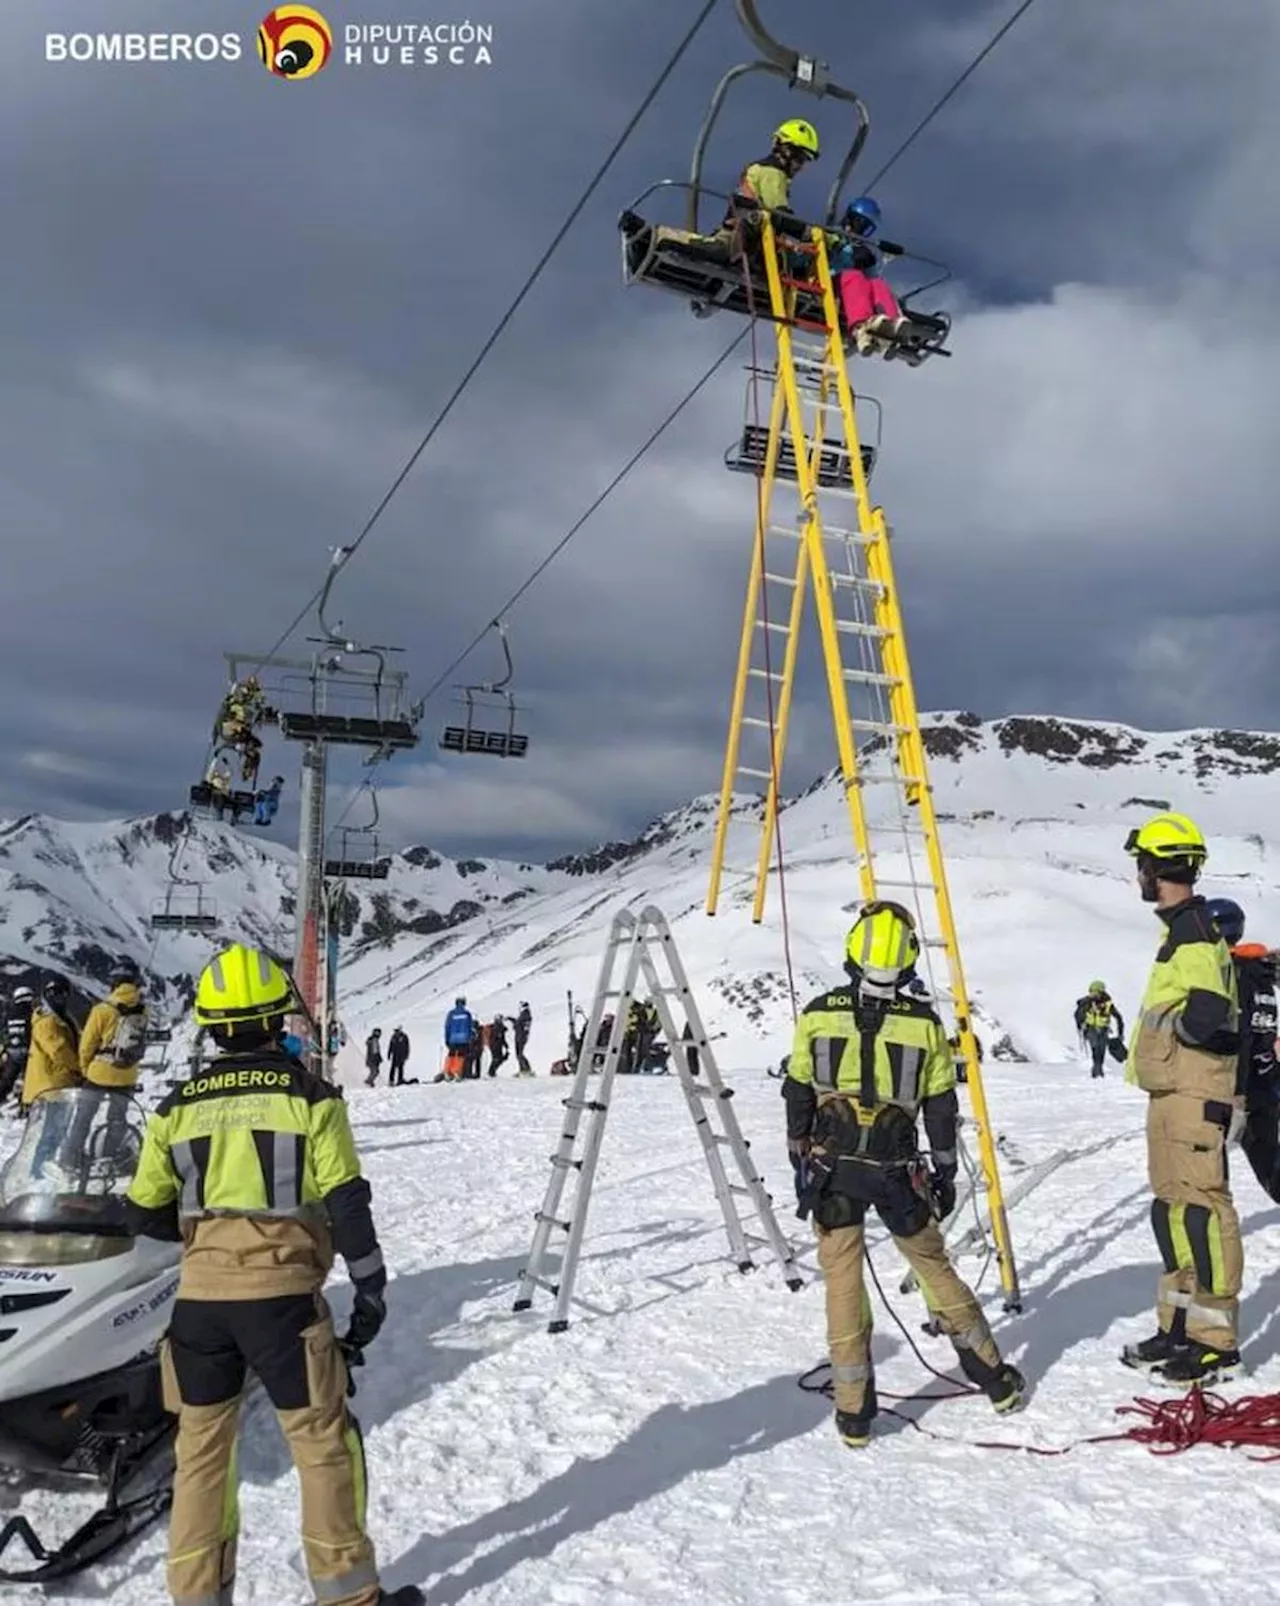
(1168,1427)
(1172,1426)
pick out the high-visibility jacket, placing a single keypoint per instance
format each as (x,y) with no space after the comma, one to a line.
(119,1020)
(763,186)
(253,1165)
(1188,1031)
(1095,1012)
(52,1060)
(882,1055)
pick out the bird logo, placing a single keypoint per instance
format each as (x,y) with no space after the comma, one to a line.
(294,41)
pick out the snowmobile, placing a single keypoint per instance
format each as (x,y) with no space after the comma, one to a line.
(83,1306)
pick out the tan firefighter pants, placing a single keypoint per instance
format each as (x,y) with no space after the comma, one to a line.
(1194,1219)
(950,1301)
(290,1344)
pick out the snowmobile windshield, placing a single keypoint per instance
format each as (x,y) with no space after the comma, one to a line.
(62,1191)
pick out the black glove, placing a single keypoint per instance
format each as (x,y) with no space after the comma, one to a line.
(367,1316)
(942,1190)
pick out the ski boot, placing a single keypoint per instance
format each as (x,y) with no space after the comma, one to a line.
(406,1595)
(854,1427)
(1201,1365)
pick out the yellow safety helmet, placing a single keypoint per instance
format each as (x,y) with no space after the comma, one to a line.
(882,942)
(804,136)
(1168,836)
(242,986)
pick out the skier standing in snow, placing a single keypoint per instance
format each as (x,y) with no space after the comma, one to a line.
(258,1245)
(1256,1079)
(397,1057)
(867,1061)
(523,1023)
(1098,1021)
(373,1056)
(112,1046)
(1183,1056)
(498,1050)
(459,1028)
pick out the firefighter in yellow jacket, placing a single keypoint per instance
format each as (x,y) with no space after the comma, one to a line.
(765,186)
(869,1058)
(252,1164)
(1183,1055)
(114,1039)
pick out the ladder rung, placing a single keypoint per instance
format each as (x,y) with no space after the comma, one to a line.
(756,775)
(908,886)
(879,727)
(780,579)
(766,674)
(891,780)
(849,627)
(757,723)
(856,582)
(867,677)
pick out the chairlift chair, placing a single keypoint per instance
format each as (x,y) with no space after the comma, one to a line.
(185,909)
(748,454)
(696,266)
(358,857)
(481,732)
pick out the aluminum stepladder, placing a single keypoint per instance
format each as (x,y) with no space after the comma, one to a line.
(818,533)
(649,949)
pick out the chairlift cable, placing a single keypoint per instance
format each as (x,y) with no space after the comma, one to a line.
(959,84)
(724,356)
(501,326)
(583,518)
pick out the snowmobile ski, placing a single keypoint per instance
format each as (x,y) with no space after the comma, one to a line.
(107,1530)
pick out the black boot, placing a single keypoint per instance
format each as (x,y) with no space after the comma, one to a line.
(406,1595)
(854,1427)
(1200,1364)
(1004,1385)
(1158,1350)
(1152,1352)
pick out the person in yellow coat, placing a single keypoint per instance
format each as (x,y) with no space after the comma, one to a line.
(115,1035)
(52,1060)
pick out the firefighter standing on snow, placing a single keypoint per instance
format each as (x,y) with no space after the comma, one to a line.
(252,1164)
(867,1061)
(1099,1022)
(1183,1055)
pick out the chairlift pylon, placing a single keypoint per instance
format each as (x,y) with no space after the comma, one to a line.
(483,702)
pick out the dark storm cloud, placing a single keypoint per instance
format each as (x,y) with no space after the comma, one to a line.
(233,304)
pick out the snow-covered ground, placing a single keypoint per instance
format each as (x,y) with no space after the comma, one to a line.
(660,1451)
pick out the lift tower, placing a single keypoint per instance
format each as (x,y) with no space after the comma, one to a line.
(322,702)
(831,543)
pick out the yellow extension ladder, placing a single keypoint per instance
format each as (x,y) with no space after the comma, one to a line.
(832,541)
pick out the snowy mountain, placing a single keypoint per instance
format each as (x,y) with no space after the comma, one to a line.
(1034,815)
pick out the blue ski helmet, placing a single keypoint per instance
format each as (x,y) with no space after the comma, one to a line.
(862,216)
(1229,918)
